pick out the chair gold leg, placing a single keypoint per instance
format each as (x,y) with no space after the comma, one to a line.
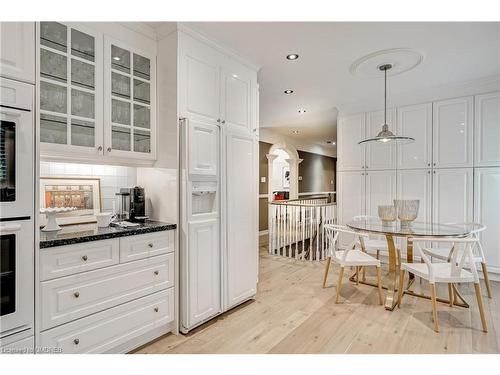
(357,275)
(486,279)
(400,288)
(327,268)
(450,294)
(434,307)
(378,254)
(379,284)
(480,304)
(339,284)
(363,274)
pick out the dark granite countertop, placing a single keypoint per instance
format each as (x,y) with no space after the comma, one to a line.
(72,234)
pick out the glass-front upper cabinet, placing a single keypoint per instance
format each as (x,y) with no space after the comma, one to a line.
(70,100)
(129,104)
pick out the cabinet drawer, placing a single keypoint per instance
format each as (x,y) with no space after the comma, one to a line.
(146,245)
(103,331)
(68,260)
(73,297)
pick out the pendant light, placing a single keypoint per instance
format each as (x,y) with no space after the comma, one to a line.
(385,135)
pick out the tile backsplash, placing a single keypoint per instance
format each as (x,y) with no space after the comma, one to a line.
(112,177)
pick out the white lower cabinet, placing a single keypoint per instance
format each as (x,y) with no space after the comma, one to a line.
(203,279)
(101,332)
(417,184)
(23,346)
(108,295)
(452,195)
(487,212)
(74,297)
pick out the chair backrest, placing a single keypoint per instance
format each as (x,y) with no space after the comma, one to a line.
(476,228)
(459,259)
(333,232)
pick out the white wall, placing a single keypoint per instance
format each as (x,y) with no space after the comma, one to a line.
(112,178)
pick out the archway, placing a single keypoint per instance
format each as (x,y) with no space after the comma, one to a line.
(283,170)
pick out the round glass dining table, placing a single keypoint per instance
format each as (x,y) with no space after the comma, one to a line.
(375,226)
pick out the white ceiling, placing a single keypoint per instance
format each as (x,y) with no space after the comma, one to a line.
(454,53)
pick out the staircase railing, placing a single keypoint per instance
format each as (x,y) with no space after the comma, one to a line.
(296,227)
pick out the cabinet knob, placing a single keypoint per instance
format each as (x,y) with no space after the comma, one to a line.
(109,149)
(150,244)
(84,258)
(223,122)
(366,166)
(156,309)
(76,294)
(218,120)
(76,341)
(156,272)
(428,172)
(434,164)
(99,148)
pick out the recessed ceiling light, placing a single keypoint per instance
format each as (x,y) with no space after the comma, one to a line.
(288,92)
(301,111)
(116,58)
(292,56)
(295,131)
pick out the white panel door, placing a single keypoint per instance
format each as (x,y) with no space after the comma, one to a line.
(417,184)
(415,121)
(452,195)
(17,50)
(351,130)
(203,148)
(242,222)
(199,75)
(486,212)
(452,133)
(380,155)
(236,98)
(487,130)
(380,190)
(203,269)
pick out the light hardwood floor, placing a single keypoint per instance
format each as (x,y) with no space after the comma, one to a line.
(292,313)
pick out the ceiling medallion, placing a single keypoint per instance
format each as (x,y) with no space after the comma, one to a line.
(402,60)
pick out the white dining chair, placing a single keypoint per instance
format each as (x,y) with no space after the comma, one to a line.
(372,245)
(350,256)
(451,272)
(444,253)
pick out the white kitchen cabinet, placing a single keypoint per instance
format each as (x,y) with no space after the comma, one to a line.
(236,93)
(487,130)
(380,190)
(203,279)
(104,331)
(486,212)
(199,76)
(73,297)
(129,101)
(203,147)
(415,121)
(70,96)
(380,155)
(242,222)
(351,130)
(416,184)
(146,245)
(350,199)
(17,51)
(452,133)
(452,195)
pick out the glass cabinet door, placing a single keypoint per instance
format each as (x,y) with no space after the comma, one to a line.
(131,76)
(69,95)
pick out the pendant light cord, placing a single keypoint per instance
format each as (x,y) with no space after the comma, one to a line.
(385,96)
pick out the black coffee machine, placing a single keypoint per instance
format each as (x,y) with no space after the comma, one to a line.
(136,204)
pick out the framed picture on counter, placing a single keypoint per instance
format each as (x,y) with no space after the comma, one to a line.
(84,193)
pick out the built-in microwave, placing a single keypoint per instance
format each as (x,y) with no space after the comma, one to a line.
(16,149)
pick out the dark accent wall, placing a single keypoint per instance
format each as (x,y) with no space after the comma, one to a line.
(317,173)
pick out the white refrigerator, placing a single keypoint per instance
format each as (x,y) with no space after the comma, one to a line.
(218,226)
